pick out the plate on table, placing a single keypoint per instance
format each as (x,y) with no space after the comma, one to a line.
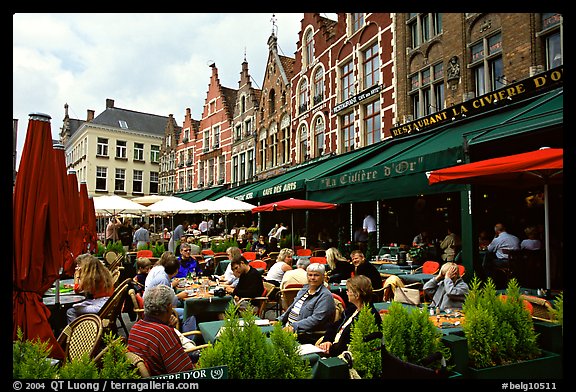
(63,291)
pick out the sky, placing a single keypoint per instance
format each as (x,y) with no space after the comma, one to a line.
(154,63)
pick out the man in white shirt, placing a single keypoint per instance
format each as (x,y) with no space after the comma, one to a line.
(369,226)
(203,227)
(279,231)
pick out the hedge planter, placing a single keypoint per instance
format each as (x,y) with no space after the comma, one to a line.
(548,366)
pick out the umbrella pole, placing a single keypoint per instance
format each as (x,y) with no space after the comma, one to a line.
(292,227)
(547,237)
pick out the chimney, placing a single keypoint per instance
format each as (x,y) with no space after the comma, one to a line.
(90,115)
(109,103)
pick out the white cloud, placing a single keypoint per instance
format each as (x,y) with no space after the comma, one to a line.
(153,63)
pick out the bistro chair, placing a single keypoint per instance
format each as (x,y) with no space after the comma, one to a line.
(258,303)
(82,336)
(273,303)
(461,270)
(111,312)
(319,253)
(249,256)
(430,267)
(304,252)
(259,265)
(138,363)
(144,253)
(288,293)
(318,259)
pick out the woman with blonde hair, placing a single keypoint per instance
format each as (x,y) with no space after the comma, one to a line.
(96,282)
(283,263)
(339,267)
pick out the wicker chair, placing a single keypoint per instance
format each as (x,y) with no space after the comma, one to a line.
(138,363)
(111,312)
(82,336)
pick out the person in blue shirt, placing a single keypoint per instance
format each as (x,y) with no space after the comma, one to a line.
(188,264)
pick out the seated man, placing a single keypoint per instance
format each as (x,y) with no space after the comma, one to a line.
(250,282)
(153,339)
(447,289)
(313,308)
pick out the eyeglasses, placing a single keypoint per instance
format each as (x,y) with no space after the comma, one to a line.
(185,250)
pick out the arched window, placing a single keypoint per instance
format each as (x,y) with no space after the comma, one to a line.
(303,153)
(272,101)
(303,96)
(308,48)
(318,86)
(319,136)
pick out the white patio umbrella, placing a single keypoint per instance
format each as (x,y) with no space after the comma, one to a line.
(228,205)
(115,205)
(148,199)
(172,205)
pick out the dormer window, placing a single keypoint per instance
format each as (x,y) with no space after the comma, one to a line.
(123,124)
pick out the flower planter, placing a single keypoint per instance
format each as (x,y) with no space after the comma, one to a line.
(548,366)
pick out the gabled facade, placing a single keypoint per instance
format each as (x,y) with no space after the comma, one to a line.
(213,140)
(167,174)
(117,152)
(274,116)
(342,90)
(243,163)
(186,149)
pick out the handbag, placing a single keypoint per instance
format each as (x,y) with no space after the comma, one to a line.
(407,295)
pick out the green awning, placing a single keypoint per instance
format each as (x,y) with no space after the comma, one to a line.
(294,179)
(545,111)
(399,171)
(201,194)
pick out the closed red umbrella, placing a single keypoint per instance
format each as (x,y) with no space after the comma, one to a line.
(88,220)
(294,204)
(36,260)
(75,234)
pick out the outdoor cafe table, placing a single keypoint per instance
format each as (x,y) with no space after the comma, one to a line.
(210,329)
(448,323)
(205,306)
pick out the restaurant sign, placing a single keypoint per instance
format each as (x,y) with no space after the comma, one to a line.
(542,81)
(280,188)
(380,172)
(212,373)
(357,98)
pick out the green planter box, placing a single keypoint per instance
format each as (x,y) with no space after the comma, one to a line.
(549,336)
(549,366)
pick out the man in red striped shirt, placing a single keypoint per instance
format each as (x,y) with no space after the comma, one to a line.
(153,339)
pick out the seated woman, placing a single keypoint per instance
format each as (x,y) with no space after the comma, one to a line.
(337,336)
(313,308)
(152,337)
(95,281)
(283,263)
(260,247)
(340,267)
(448,290)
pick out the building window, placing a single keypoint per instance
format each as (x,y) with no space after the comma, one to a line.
(102,147)
(238,132)
(235,168)
(181,184)
(206,141)
(189,179)
(372,122)
(155,153)
(121,149)
(427,90)
(274,144)
(221,169)
(154,183)
(250,164)
(423,27)
(242,104)
(216,140)
(123,124)
(347,81)
(101,174)
(201,174)
(138,151)
(248,127)
(357,22)
(303,143)
(242,167)
(137,181)
(262,147)
(319,136)
(303,96)
(272,101)
(318,86)
(120,180)
(551,34)
(371,66)
(309,48)
(347,132)
(285,140)
(487,66)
